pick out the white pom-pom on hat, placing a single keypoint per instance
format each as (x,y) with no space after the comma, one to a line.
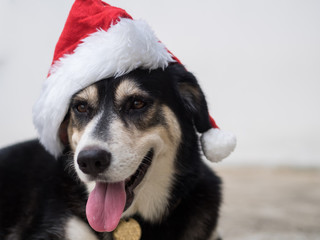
(217,144)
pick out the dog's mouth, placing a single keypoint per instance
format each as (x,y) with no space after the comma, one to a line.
(108,201)
(137,177)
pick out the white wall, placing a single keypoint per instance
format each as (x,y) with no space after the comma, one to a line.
(257,61)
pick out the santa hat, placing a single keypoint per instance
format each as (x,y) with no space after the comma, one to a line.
(100,41)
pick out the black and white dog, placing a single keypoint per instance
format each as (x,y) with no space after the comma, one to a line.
(131,151)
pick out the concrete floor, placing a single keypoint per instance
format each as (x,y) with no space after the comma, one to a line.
(270,203)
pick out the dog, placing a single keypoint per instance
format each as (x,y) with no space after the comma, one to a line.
(131,151)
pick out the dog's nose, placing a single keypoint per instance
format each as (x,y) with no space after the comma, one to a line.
(93,161)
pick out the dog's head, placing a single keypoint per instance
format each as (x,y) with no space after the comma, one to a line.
(125,133)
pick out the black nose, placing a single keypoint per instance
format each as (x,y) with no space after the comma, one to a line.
(93,161)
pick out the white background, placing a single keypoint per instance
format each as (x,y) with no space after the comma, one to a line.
(257,61)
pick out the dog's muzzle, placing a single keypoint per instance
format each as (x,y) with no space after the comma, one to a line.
(108,200)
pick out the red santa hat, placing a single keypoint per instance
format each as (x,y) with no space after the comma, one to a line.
(100,41)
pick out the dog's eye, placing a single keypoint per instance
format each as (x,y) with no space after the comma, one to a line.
(137,104)
(82,108)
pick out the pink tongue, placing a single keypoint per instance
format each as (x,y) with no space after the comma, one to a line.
(105,205)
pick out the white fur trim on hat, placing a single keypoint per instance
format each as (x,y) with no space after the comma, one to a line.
(217,144)
(125,46)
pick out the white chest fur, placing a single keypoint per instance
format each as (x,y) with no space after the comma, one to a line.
(76,229)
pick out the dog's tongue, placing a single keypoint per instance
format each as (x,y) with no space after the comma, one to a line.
(105,206)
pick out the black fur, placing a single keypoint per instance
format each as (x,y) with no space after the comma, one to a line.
(39,193)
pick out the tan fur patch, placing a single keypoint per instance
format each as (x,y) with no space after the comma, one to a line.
(173,130)
(89,94)
(127,88)
(74,135)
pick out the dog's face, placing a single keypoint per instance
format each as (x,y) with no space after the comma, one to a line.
(122,121)
(125,132)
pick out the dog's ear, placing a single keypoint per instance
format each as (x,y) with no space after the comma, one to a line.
(194,101)
(216,144)
(63,131)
